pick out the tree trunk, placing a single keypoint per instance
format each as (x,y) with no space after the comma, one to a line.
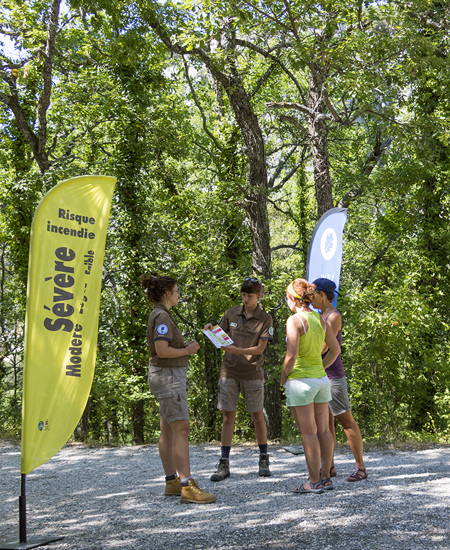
(255,195)
(211,372)
(255,204)
(138,414)
(133,202)
(272,393)
(318,138)
(255,199)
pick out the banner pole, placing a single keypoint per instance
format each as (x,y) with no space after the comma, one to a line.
(23,511)
(24,542)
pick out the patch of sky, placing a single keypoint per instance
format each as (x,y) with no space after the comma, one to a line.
(12,49)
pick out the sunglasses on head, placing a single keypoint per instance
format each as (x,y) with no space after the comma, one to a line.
(252,279)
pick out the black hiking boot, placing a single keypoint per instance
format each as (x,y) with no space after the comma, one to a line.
(223,470)
(264,465)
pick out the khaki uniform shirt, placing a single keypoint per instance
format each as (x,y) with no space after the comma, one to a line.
(161,326)
(245,333)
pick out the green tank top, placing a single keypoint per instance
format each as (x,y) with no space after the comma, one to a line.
(309,359)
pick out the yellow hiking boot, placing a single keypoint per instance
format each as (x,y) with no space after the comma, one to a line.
(193,493)
(173,487)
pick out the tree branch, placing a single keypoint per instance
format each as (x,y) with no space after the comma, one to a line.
(266,54)
(267,15)
(331,107)
(288,176)
(372,160)
(291,19)
(44,100)
(292,246)
(199,107)
(290,105)
(264,78)
(296,123)
(13,103)
(379,258)
(289,213)
(280,166)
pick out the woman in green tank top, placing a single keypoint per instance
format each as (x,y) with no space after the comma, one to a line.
(306,383)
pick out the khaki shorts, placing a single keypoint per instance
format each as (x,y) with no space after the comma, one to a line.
(340,401)
(169,387)
(252,391)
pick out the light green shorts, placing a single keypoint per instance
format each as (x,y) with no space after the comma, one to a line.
(304,391)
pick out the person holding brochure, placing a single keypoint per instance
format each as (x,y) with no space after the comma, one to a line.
(340,407)
(167,378)
(306,383)
(250,328)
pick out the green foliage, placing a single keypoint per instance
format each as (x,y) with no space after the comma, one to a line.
(121,105)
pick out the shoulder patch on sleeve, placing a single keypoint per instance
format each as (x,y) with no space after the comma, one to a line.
(271,331)
(162,329)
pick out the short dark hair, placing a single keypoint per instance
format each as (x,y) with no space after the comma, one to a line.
(326,286)
(155,286)
(251,285)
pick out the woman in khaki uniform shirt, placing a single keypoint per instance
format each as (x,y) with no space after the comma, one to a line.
(167,380)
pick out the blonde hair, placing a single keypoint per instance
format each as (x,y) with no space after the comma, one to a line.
(301,290)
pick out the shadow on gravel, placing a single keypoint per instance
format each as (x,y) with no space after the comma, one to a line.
(113,499)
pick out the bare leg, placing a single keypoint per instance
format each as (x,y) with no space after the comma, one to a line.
(227,428)
(180,447)
(353,434)
(306,424)
(174,447)
(165,447)
(333,433)
(324,436)
(260,427)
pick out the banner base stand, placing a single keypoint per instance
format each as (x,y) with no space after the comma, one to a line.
(32,542)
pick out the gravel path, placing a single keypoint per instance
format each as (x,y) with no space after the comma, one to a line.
(112,498)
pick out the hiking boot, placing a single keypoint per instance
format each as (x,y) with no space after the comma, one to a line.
(264,465)
(173,487)
(223,470)
(193,493)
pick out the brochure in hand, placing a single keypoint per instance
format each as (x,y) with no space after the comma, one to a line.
(218,337)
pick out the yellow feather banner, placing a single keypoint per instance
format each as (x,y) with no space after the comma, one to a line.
(67,247)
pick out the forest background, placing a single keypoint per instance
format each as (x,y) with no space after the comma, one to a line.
(231,128)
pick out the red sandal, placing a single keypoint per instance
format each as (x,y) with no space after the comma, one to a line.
(358,475)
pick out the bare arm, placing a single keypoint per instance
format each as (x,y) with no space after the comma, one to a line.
(293,333)
(334,349)
(254,350)
(164,351)
(334,322)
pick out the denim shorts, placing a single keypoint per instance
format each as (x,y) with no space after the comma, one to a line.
(304,391)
